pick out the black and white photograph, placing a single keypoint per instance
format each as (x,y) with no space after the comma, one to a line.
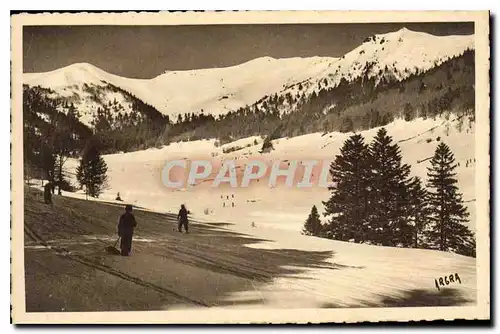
(251,167)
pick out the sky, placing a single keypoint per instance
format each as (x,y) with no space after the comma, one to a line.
(147,51)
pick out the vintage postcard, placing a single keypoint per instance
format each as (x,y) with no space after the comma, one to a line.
(250,167)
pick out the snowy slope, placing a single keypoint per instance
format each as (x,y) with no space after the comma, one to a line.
(399,54)
(219,90)
(389,57)
(256,268)
(359,275)
(86,87)
(216,91)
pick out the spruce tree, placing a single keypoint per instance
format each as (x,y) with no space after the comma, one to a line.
(418,211)
(91,171)
(448,214)
(388,222)
(348,205)
(313,226)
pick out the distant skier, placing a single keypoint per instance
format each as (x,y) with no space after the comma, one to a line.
(126,228)
(47,193)
(182,218)
(118,198)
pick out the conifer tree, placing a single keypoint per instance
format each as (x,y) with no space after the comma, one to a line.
(313,226)
(91,172)
(348,205)
(389,193)
(418,211)
(448,214)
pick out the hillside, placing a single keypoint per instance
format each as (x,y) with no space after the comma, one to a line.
(403,74)
(137,175)
(216,266)
(360,104)
(216,91)
(391,56)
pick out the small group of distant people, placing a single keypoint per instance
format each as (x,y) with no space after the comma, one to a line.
(127,225)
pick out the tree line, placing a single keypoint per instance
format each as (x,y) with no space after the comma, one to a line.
(374,200)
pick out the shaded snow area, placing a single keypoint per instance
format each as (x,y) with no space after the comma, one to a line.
(355,274)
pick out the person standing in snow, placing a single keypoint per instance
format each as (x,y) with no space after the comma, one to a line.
(182,218)
(47,193)
(126,228)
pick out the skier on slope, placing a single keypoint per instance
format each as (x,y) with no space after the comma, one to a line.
(182,218)
(126,228)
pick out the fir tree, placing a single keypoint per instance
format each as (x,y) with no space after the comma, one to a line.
(91,171)
(348,204)
(389,193)
(418,211)
(448,214)
(313,226)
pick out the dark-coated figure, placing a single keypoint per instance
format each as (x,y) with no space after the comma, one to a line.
(47,193)
(126,228)
(182,218)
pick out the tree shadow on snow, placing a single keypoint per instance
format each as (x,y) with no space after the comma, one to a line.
(421,297)
(414,298)
(209,266)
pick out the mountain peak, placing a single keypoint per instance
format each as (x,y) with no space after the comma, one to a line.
(405,30)
(83,66)
(73,74)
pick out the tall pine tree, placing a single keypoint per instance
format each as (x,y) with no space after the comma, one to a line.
(448,214)
(91,171)
(348,205)
(418,212)
(313,226)
(388,222)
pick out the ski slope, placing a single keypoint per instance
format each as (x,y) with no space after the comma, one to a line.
(217,91)
(215,267)
(137,175)
(356,275)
